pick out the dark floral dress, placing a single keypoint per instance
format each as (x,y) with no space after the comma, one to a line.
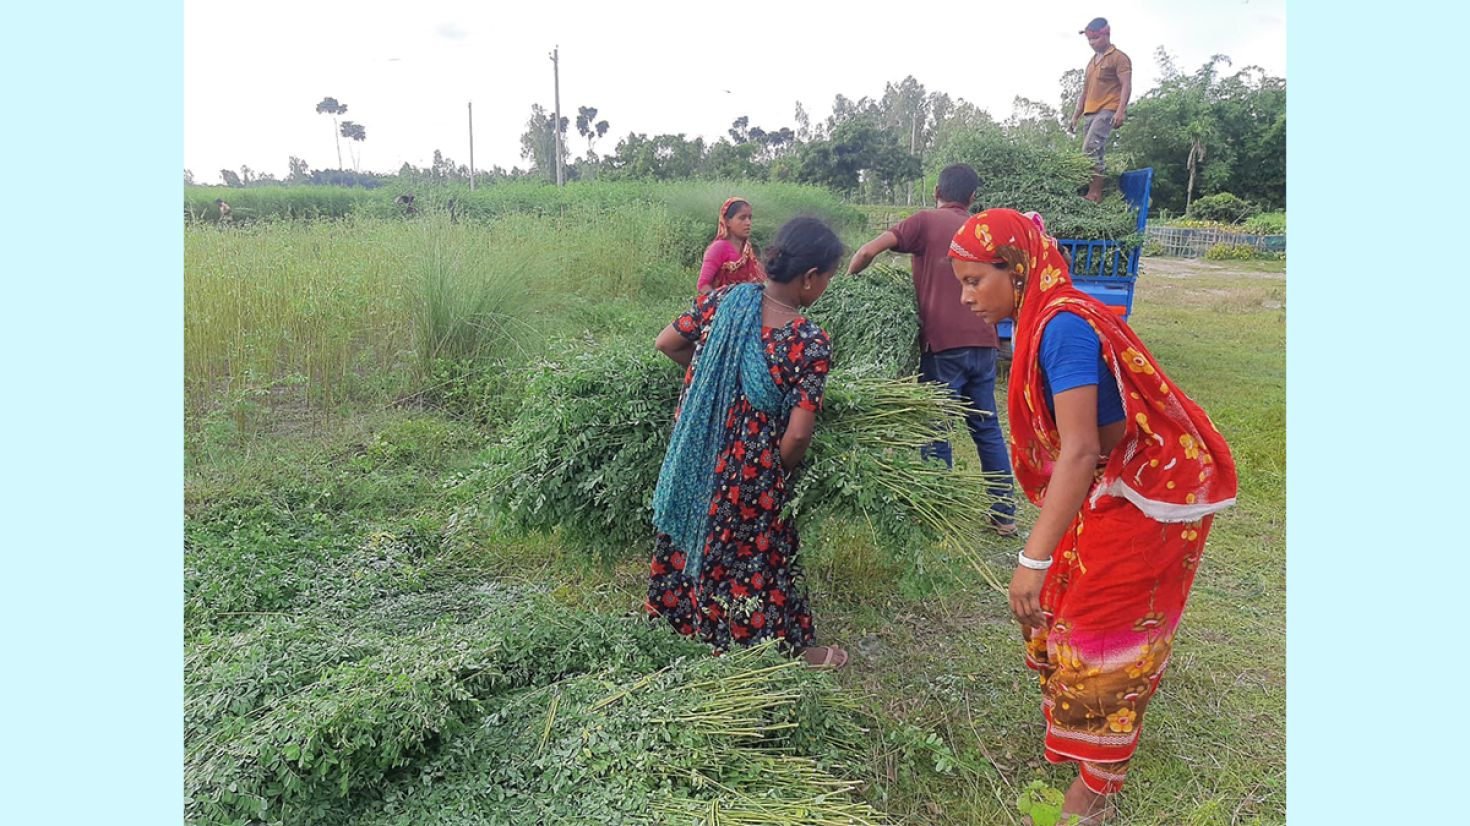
(750,588)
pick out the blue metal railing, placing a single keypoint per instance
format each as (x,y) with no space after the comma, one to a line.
(1101,268)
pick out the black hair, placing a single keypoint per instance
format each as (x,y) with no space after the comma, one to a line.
(958,182)
(803,243)
(733,208)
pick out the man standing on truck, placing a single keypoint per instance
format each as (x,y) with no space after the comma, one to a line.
(958,348)
(1106,87)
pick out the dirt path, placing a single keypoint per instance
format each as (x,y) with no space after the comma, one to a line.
(1158,267)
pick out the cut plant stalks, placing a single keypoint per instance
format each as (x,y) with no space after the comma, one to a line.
(751,737)
(583,455)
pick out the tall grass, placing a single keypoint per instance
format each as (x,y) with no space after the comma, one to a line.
(338,305)
(363,307)
(691,204)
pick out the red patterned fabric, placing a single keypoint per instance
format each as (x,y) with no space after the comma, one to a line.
(750,585)
(1172,463)
(1122,572)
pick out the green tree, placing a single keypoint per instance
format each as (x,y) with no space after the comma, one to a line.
(330,106)
(858,151)
(589,127)
(538,142)
(1208,132)
(357,134)
(296,170)
(732,160)
(230,178)
(664,157)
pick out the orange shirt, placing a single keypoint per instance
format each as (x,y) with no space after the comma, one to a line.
(1102,87)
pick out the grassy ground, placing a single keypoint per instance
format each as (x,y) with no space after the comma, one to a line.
(935,656)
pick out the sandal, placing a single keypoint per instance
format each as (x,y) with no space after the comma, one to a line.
(830,656)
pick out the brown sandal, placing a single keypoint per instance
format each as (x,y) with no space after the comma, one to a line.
(830,656)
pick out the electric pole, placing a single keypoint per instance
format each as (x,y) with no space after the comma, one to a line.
(556,124)
(472,145)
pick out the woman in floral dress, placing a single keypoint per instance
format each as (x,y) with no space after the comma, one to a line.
(1128,472)
(725,565)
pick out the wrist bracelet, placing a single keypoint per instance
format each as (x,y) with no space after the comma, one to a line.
(1034,564)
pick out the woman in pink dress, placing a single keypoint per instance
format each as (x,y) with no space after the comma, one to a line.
(731,258)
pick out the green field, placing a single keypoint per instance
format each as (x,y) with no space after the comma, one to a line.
(344,377)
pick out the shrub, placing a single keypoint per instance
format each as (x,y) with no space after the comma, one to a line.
(1222,207)
(1239,252)
(1266,223)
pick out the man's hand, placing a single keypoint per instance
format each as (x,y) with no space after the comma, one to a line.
(1072,127)
(1119,117)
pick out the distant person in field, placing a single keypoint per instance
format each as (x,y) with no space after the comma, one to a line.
(1128,473)
(731,258)
(406,201)
(1103,106)
(725,569)
(958,349)
(224,211)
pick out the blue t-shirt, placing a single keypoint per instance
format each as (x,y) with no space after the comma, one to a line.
(1071,356)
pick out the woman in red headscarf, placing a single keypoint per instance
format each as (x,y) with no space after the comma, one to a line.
(731,258)
(1127,471)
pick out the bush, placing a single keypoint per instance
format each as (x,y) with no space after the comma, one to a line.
(1239,252)
(1266,223)
(1222,207)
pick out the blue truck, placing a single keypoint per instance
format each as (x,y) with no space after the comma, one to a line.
(1101,268)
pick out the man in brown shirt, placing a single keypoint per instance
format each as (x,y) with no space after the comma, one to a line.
(959,348)
(1106,87)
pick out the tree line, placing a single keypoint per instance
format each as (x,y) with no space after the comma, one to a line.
(1204,132)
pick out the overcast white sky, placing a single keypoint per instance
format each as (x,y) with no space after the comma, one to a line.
(254,71)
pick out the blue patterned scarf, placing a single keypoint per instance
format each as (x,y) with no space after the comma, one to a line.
(732,361)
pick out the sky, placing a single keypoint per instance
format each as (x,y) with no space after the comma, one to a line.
(254,72)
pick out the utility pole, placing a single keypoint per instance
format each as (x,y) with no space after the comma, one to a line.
(472,145)
(556,124)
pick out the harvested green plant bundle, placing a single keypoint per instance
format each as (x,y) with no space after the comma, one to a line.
(865,466)
(1046,177)
(873,321)
(298,719)
(584,453)
(750,737)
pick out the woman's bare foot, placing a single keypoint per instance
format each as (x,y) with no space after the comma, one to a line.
(1085,803)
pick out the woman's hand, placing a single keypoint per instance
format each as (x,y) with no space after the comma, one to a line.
(799,429)
(1026,597)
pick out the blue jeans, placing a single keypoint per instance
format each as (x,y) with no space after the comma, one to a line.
(969,373)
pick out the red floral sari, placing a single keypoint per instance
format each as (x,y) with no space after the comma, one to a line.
(1121,575)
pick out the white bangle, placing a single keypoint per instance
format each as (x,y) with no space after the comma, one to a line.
(1033,564)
